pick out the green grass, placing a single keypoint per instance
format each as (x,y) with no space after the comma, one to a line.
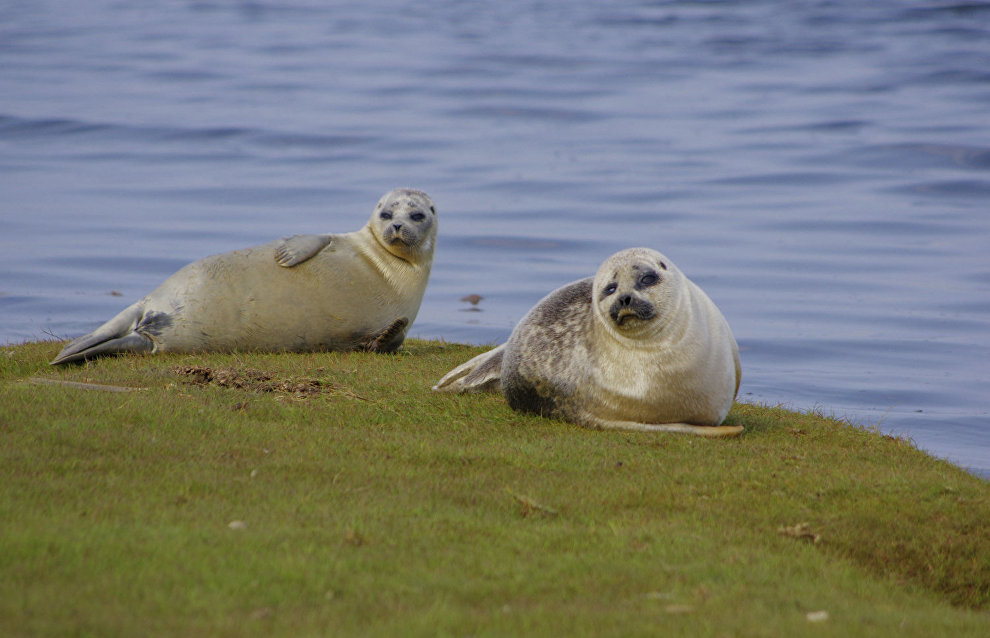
(374,507)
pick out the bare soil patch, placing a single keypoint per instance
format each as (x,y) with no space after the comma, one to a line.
(254,381)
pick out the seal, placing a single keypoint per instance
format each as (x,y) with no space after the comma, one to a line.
(358,290)
(637,347)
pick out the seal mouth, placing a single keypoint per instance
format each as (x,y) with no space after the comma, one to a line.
(624,315)
(393,236)
(630,309)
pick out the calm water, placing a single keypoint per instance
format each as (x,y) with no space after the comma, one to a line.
(821,168)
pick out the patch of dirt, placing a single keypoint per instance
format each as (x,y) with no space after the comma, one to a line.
(253,381)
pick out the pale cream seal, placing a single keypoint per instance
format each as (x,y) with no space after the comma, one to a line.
(358,290)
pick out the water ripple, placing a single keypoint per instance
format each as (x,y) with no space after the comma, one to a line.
(917,155)
(794,179)
(17,127)
(513,111)
(961,188)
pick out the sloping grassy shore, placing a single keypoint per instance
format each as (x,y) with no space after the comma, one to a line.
(334,494)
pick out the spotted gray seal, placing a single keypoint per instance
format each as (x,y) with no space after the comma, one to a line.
(637,347)
(358,290)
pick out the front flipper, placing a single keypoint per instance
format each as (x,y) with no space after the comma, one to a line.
(480,374)
(388,339)
(710,431)
(298,248)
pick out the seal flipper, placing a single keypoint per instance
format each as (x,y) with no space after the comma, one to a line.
(388,339)
(298,248)
(116,335)
(480,374)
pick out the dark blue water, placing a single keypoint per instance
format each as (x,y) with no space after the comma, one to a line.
(821,168)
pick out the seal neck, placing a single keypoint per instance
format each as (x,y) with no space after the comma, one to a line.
(398,271)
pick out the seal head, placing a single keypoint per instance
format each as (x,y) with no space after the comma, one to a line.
(404,223)
(630,289)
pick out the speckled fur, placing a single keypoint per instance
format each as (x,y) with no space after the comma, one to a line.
(557,329)
(637,347)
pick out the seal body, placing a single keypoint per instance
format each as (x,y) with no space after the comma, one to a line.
(637,347)
(308,292)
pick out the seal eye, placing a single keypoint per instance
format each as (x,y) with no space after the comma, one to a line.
(386,215)
(609,289)
(417,217)
(648,279)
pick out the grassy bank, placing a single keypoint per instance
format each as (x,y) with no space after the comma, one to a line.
(334,494)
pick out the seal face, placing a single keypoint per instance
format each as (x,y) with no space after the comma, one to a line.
(637,347)
(624,298)
(404,223)
(358,290)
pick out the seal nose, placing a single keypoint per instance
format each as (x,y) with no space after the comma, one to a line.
(625,301)
(397,226)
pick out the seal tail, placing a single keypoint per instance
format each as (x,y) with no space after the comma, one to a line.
(709,431)
(480,374)
(116,335)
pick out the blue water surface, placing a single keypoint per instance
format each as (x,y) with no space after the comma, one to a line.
(820,167)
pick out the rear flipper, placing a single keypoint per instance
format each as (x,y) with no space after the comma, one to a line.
(710,431)
(389,339)
(116,335)
(480,374)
